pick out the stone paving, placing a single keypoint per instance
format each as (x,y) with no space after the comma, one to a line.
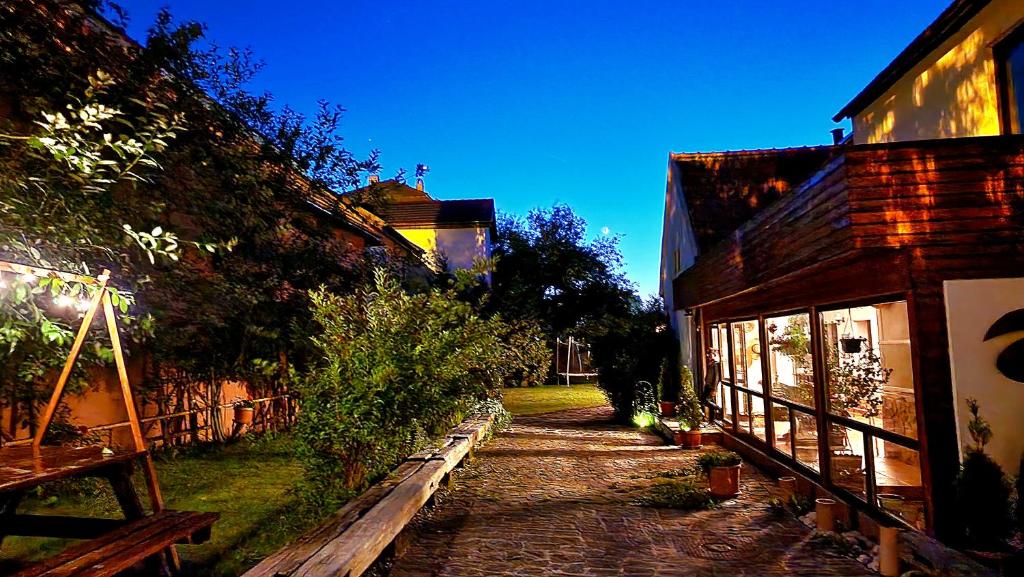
(554,495)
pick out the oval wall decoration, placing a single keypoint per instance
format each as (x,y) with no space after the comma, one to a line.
(1010,361)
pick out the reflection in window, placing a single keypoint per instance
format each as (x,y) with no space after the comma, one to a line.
(746,354)
(898,482)
(789,358)
(1011,56)
(846,448)
(868,366)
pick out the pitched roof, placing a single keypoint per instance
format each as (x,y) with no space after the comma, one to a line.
(722,190)
(441,213)
(409,207)
(953,18)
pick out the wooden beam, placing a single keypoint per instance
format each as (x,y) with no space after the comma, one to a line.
(76,348)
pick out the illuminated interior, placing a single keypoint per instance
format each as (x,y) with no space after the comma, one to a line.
(865,398)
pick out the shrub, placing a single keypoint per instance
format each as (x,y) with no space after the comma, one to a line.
(1020,495)
(983,500)
(396,368)
(689,410)
(708,461)
(982,490)
(629,348)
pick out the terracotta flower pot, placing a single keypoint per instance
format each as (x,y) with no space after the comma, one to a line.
(679,437)
(244,415)
(668,409)
(724,481)
(691,439)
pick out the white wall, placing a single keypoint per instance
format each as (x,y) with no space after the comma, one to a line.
(677,234)
(971,308)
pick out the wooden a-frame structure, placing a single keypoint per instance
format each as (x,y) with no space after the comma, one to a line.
(99,298)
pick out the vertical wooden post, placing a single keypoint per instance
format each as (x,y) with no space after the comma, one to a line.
(65,373)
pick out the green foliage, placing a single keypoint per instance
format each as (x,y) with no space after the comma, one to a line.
(493,406)
(978,427)
(982,489)
(983,500)
(396,367)
(687,493)
(856,380)
(688,410)
(629,348)
(1019,486)
(166,137)
(550,272)
(710,460)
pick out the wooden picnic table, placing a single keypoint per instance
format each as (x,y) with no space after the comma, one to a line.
(25,468)
(112,544)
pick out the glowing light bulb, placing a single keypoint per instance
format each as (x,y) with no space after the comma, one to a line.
(27,278)
(64,301)
(83,305)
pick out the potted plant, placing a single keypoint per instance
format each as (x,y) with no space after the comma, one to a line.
(244,411)
(851,344)
(668,389)
(689,412)
(723,471)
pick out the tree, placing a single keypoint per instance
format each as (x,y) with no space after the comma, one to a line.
(547,270)
(168,140)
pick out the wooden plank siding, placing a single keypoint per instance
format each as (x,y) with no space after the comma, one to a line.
(948,201)
(878,221)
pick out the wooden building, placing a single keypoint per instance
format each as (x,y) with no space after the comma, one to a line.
(839,301)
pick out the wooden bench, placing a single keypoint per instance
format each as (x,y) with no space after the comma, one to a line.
(125,546)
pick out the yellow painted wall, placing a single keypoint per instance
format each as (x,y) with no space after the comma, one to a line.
(460,245)
(949,94)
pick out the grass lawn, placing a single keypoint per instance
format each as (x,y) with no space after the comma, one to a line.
(537,400)
(249,483)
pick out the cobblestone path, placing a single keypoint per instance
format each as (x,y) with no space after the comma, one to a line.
(554,495)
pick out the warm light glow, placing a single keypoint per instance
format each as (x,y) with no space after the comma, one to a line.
(643,420)
(64,301)
(27,277)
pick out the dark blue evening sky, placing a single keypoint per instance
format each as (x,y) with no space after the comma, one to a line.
(533,103)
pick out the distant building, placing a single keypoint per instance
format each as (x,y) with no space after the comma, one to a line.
(842,302)
(452,233)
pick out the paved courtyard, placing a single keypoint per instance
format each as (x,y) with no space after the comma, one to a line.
(554,495)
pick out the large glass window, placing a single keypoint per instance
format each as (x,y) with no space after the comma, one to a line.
(867,389)
(789,358)
(717,372)
(869,375)
(746,354)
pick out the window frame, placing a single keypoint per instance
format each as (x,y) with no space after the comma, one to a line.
(1004,83)
(824,419)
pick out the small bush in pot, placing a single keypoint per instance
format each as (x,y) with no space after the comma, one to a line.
(723,471)
(689,412)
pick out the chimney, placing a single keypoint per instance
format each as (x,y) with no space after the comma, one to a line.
(837,136)
(419,184)
(374,179)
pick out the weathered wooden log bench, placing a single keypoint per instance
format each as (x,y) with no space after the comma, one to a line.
(352,539)
(127,545)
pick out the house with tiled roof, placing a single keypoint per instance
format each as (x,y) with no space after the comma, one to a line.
(452,233)
(839,304)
